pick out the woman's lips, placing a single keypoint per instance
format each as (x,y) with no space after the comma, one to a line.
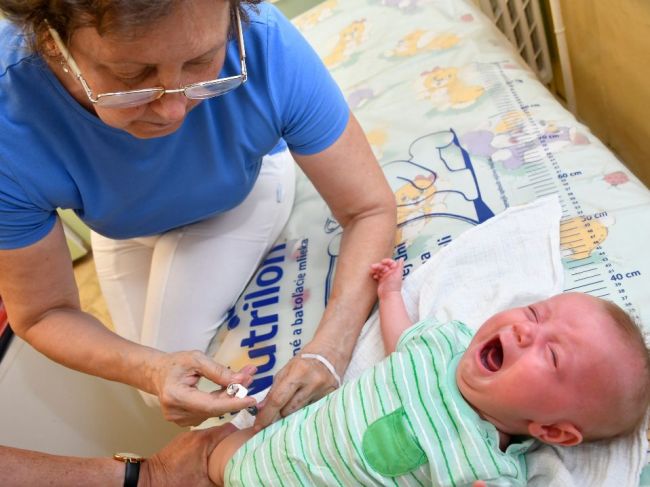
(491,355)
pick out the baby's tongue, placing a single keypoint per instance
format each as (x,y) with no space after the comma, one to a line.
(495,358)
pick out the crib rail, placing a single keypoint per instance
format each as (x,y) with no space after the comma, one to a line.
(522,23)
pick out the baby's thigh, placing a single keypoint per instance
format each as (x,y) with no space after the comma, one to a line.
(224,451)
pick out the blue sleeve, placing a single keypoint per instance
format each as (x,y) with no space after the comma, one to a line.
(21,222)
(312,108)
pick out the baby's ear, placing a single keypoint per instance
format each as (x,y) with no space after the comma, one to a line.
(564,433)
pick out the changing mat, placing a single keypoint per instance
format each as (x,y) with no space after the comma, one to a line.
(463,131)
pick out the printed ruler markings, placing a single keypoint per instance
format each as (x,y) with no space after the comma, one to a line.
(597,274)
(586,270)
(544,185)
(570,267)
(541,178)
(535,172)
(544,180)
(541,195)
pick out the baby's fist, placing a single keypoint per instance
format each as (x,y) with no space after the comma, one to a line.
(388,274)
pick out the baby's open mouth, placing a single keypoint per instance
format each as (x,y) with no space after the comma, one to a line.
(492,355)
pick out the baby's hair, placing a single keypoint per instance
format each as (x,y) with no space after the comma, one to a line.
(639,400)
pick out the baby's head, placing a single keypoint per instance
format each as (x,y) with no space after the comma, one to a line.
(564,370)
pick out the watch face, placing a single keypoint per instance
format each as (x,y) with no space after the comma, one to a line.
(128,457)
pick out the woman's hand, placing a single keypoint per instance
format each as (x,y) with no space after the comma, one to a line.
(184,461)
(299,383)
(175,377)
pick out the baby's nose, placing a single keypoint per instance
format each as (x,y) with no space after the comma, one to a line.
(524,334)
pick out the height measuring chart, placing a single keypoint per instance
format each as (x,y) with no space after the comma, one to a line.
(456,178)
(593,257)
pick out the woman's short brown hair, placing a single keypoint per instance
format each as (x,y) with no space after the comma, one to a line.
(108,16)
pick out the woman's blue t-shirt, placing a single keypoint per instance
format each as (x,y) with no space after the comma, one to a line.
(54,153)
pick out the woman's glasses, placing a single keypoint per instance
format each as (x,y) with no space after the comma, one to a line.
(134,98)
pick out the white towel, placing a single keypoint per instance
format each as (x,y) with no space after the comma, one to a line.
(510,260)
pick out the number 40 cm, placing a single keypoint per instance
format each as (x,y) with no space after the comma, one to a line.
(619,276)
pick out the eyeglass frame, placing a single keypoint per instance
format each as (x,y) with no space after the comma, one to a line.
(95,99)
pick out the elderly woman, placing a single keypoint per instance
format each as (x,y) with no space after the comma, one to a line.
(171,128)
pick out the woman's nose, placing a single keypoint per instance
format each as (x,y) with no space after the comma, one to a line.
(171,107)
(524,334)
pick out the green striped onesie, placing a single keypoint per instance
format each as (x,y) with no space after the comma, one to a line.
(403,422)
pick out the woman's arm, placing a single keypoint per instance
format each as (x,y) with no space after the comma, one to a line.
(40,294)
(184,461)
(351,182)
(25,467)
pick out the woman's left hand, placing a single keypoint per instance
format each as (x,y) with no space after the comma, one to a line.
(299,383)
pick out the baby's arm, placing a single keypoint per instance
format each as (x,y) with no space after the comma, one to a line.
(393,317)
(224,451)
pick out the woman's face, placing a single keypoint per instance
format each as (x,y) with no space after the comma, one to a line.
(187,46)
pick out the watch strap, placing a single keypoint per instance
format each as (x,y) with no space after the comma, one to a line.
(131,473)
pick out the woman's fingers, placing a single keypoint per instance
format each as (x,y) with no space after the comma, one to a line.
(301,382)
(192,406)
(297,401)
(306,396)
(247,372)
(184,461)
(214,371)
(183,403)
(286,383)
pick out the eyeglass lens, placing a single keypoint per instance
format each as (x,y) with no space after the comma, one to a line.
(196,92)
(127,100)
(209,90)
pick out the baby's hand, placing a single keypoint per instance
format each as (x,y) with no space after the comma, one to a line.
(388,274)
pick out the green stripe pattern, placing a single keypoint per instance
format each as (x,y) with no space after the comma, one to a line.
(321,445)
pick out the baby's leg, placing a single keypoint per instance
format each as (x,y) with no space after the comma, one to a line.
(224,451)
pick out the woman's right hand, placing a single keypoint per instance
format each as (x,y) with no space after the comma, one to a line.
(44,310)
(175,377)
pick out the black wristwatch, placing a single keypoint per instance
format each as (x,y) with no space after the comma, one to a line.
(132,463)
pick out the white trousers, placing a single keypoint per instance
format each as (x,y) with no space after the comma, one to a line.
(171,291)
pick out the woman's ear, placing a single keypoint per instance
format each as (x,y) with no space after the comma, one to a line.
(563,434)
